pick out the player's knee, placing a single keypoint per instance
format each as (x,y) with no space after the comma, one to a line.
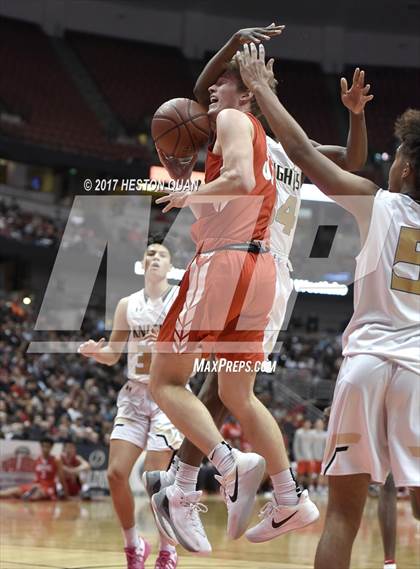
(237,403)
(116,474)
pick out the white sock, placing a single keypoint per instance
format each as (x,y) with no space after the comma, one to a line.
(222,458)
(164,545)
(186,477)
(131,538)
(286,491)
(170,474)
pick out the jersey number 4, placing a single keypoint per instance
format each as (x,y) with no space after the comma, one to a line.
(286,214)
(407,262)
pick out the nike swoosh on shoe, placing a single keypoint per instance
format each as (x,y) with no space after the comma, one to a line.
(234,497)
(279,524)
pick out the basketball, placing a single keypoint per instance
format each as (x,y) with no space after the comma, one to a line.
(180,127)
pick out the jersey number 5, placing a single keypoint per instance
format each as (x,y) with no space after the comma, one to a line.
(407,261)
(286,214)
(143,363)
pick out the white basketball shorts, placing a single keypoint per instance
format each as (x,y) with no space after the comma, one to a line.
(140,421)
(284,287)
(374,425)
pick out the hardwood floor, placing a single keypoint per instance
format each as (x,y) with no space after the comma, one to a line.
(82,535)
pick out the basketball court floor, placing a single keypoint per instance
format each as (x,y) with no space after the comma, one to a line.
(84,535)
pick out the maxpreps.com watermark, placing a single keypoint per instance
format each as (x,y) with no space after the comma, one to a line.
(139,185)
(216,366)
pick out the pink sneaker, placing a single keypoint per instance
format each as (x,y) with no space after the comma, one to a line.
(136,560)
(166,560)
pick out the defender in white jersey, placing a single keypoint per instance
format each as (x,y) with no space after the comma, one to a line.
(374,425)
(288,182)
(139,424)
(289,179)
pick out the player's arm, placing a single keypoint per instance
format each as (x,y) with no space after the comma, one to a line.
(109,353)
(342,186)
(82,467)
(217,64)
(353,156)
(234,135)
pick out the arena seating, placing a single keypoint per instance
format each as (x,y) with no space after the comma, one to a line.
(35,86)
(135,78)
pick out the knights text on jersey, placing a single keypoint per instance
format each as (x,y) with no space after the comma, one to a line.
(288,178)
(144,315)
(385,322)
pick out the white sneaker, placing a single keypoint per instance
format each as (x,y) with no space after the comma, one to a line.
(177,516)
(277,520)
(390,566)
(239,489)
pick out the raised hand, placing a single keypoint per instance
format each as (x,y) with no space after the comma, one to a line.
(258,35)
(176,199)
(252,66)
(357,96)
(90,348)
(178,168)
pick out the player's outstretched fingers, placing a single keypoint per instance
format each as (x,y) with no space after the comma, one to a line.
(344,85)
(356,75)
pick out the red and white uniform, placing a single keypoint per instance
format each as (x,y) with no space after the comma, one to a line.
(73,481)
(45,476)
(226,296)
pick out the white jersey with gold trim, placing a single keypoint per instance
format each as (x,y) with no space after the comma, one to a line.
(144,315)
(385,322)
(288,183)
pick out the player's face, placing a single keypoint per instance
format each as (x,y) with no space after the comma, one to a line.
(157,261)
(225,94)
(69,449)
(397,172)
(46,449)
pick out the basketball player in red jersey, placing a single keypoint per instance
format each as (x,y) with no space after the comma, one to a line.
(233,272)
(351,157)
(47,470)
(73,465)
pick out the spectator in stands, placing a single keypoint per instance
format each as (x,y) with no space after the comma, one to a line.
(303,453)
(319,438)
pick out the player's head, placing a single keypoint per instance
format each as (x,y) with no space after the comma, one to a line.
(404,175)
(230,92)
(319,424)
(157,259)
(69,448)
(46,446)
(307,424)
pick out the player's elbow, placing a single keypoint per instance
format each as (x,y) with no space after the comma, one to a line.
(201,94)
(240,181)
(354,163)
(300,153)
